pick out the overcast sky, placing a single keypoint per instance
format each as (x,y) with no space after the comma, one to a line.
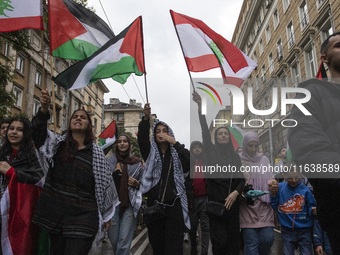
(168,82)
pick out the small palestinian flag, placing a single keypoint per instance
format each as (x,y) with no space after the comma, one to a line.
(75,32)
(108,137)
(236,134)
(16,15)
(118,58)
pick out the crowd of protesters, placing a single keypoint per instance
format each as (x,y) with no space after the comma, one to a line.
(63,192)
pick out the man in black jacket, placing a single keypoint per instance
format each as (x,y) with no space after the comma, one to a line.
(316,140)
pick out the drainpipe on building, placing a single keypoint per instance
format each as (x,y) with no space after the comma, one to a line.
(331,15)
(103,116)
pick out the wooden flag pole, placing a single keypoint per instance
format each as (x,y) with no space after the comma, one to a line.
(53,98)
(43,83)
(180,43)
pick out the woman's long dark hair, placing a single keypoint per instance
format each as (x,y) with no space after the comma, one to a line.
(26,148)
(70,147)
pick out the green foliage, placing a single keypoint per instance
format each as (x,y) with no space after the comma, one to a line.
(85,4)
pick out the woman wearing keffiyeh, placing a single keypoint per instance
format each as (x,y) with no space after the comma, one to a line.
(163,182)
(79,196)
(127,172)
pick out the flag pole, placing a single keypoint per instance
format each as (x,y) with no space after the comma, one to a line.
(53,97)
(43,84)
(180,43)
(146,89)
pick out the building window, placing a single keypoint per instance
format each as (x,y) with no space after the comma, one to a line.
(255,57)
(36,106)
(64,127)
(286,4)
(261,14)
(268,34)
(6,53)
(18,95)
(90,102)
(65,98)
(38,77)
(326,32)
(290,34)
(263,73)
(295,74)
(276,19)
(283,82)
(261,47)
(279,50)
(304,19)
(310,64)
(320,2)
(119,115)
(271,62)
(20,64)
(257,83)
(76,105)
(141,115)
(95,125)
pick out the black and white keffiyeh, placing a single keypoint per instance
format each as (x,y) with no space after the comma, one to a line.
(105,189)
(134,171)
(153,169)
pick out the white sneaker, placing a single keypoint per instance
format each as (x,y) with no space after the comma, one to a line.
(186,237)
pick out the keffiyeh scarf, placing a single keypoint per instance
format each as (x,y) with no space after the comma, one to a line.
(153,169)
(105,190)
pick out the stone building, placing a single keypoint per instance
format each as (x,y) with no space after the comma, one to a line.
(28,83)
(126,115)
(284,38)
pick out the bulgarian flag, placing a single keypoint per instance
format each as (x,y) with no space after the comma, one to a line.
(236,135)
(75,32)
(118,58)
(19,14)
(204,49)
(108,137)
(19,235)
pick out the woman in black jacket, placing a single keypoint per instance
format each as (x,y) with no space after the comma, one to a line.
(163,182)
(223,187)
(19,167)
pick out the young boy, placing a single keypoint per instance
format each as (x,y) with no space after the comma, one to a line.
(295,205)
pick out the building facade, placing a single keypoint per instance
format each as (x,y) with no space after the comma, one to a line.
(126,115)
(284,37)
(30,78)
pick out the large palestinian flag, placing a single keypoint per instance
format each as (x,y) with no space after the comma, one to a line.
(204,49)
(18,14)
(75,32)
(118,58)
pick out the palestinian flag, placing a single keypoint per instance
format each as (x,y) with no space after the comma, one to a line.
(108,137)
(18,14)
(75,32)
(19,235)
(321,74)
(236,135)
(204,49)
(118,58)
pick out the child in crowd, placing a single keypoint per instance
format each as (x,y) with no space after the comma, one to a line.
(295,205)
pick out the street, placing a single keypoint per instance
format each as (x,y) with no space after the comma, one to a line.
(140,245)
